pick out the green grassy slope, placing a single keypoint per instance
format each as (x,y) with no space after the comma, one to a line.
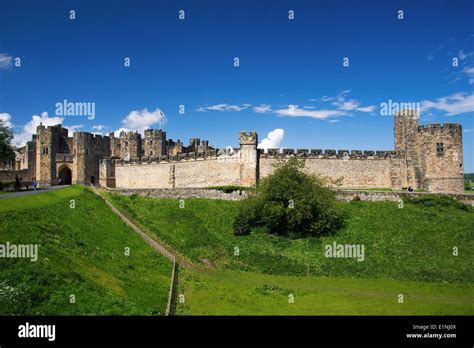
(81,252)
(248,293)
(413,243)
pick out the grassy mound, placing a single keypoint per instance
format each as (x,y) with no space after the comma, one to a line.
(413,243)
(81,253)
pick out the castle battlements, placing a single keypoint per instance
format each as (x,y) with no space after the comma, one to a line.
(328,154)
(183,157)
(424,157)
(441,128)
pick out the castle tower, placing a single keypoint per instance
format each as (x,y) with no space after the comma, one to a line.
(441,157)
(248,158)
(155,142)
(31,158)
(114,145)
(88,150)
(82,156)
(405,135)
(130,145)
(194,144)
(49,142)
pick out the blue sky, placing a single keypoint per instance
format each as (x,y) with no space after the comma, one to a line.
(291,76)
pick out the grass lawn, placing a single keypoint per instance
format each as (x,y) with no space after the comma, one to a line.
(413,243)
(408,251)
(81,253)
(248,293)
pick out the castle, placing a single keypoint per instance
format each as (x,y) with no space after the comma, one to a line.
(427,157)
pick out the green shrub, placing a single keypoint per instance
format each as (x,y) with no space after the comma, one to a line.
(290,202)
(248,216)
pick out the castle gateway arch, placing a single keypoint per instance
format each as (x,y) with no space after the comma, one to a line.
(64,175)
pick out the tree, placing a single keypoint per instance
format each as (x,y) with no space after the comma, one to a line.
(7,154)
(291,202)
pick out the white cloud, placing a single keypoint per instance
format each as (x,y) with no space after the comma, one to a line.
(463,55)
(296,111)
(262,108)
(118,131)
(223,107)
(350,104)
(455,104)
(347,105)
(99,127)
(322,99)
(469,71)
(369,108)
(6,119)
(6,61)
(75,128)
(20,139)
(341,102)
(144,119)
(273,139)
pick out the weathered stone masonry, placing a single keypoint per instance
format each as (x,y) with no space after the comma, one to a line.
(424,157)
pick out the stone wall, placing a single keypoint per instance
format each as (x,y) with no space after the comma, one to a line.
(353,173)
(194,172)
(9,175)
(377,196)
(342,195)
(183,193)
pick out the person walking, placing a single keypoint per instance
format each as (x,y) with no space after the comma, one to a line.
(35,184)
(17,183)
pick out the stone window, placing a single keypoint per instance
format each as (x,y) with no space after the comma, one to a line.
(439,148)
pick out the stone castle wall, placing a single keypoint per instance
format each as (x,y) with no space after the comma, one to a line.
(352,173)
(192,172)
(245,166)
(424,157)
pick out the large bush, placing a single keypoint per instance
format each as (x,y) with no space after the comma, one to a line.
(290,202)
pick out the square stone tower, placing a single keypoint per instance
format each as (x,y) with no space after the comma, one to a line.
(432,154)
(50,141)
(154,143)
(249,160)
(130,146)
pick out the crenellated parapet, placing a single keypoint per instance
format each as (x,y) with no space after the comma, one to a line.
(250,138)
(441,128)
(329,154)
(181,157)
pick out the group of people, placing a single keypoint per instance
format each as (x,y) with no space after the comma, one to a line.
(18,184)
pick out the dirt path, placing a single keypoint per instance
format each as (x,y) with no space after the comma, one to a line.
(27,193)
(149,237)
